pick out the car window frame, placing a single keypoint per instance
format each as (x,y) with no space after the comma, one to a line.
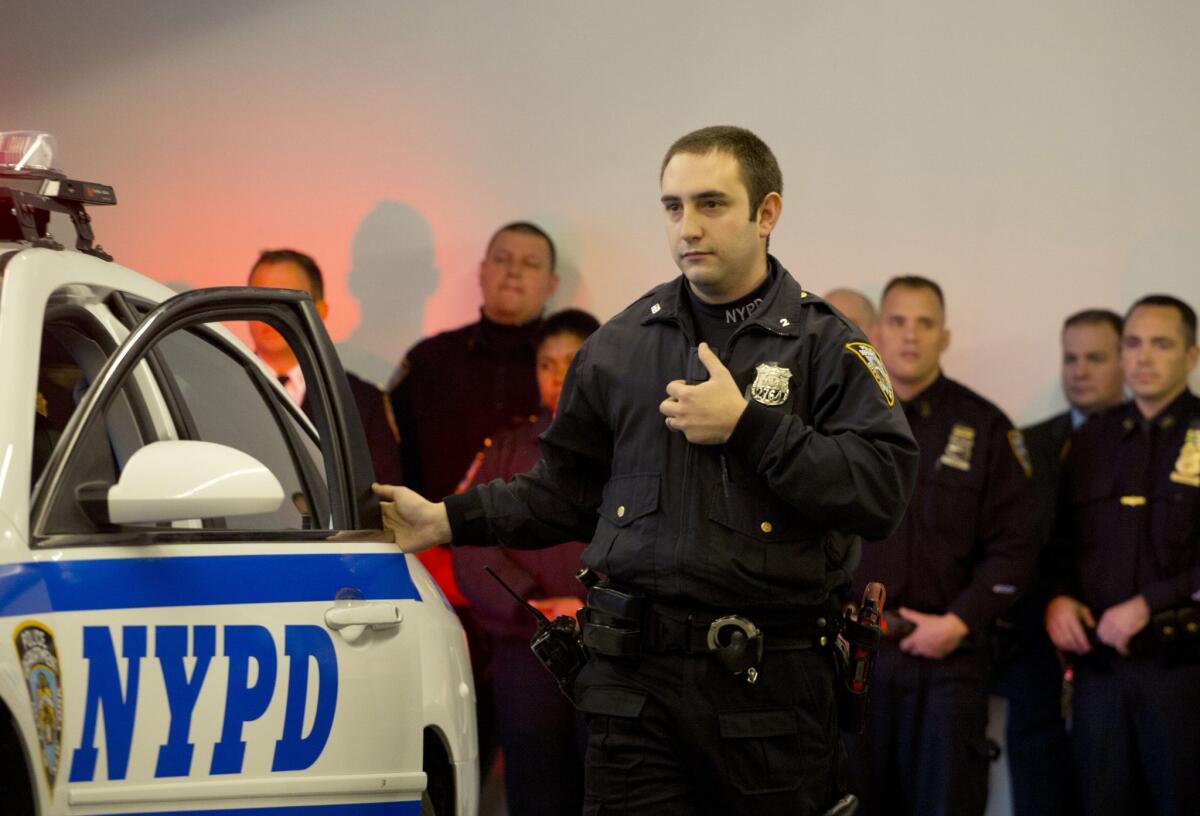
(352,505)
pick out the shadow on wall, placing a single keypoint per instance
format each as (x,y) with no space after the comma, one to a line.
(392,274)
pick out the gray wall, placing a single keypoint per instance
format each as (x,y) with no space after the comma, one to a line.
(1035,157)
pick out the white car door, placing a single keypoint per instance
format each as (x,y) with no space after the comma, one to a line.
(247,663)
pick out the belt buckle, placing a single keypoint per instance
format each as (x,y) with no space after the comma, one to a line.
(731,639)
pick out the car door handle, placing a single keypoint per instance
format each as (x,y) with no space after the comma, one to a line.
(363,613)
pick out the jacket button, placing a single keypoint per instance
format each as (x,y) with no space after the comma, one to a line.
(766,527)
(820,623)
(621,511)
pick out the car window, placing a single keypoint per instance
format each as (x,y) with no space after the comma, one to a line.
(215,393)
(228,401)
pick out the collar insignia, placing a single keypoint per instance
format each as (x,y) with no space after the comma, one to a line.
(770,386)
(959,447)
(1187,466)
(870,358)
(1016,441)
(656,308)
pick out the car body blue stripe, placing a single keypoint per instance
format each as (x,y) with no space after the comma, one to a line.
(225,580)
(412,808)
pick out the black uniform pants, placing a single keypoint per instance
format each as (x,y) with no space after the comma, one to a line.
(540,732)
(924,751)
(1136,737)
(1032,684)
(677,735)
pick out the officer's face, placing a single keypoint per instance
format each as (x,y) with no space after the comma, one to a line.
(719,248)
(1155,354)
(911,335)
(1091,366)
(516,278)
(281,275)
(554,356)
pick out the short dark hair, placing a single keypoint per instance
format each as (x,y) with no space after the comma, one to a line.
(914,282)
(305,262)
(569,321)
(527,228)
(759,170)
(1093,317)
(1187,315)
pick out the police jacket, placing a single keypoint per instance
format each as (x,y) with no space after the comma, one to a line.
(545,573)
(820,455)
(969,539)
(1130,519)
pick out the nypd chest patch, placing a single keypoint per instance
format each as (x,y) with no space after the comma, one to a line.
(770,386)
(1187,466)
(870,358)
(959,448)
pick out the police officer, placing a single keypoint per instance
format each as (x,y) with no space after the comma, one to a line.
(290,269)
(1031,675)
(538,727)
(956,562)
(715,442)
(854,305)
(1129,607)
(456,389)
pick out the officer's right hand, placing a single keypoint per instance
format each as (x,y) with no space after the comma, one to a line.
(416,523)
(1065,621)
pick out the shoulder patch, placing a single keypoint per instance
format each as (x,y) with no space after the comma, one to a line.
(870,358)
(1016,441)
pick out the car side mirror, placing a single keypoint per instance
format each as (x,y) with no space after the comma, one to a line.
(174,480)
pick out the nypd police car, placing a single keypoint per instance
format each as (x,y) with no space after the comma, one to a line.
(198,612)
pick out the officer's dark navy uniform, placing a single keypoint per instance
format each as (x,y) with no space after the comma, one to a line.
(965,546)
(703,531)
(1030,674)
(1130,525)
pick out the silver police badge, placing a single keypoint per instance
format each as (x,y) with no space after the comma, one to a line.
(770,386)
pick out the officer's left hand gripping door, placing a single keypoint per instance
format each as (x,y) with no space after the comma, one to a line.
(262,661)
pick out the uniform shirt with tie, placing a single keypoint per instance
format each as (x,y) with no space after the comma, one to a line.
(1130,517)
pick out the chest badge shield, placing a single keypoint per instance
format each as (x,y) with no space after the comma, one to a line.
(770,386)
(959,448)
(43,681)
(870,358)
(1187,466)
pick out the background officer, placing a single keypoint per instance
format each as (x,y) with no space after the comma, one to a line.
(964,548)
(537,725)
(290,269)
(724,498)
(1129,529)
(1031,674)
(455,389)
(854,305)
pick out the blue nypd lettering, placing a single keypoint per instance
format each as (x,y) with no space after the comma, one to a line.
(115,704)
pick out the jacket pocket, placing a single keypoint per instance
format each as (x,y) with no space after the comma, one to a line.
(759,545)
(627,525)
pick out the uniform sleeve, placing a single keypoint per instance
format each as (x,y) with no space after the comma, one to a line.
(1007,542)
(487,596)
(406,425)
(855,465)
(556,501)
